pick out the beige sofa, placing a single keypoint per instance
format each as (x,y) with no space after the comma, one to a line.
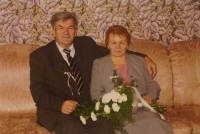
(178,75)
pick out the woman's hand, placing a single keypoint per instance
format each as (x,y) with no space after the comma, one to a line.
(147,99)
(151,66)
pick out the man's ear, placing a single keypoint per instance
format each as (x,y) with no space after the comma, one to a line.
(53,32)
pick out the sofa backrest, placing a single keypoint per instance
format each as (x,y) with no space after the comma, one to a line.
(159,54)
(185,63)
(181,60)
(15,95)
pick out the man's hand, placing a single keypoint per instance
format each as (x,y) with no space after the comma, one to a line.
(68,106)
(151,66)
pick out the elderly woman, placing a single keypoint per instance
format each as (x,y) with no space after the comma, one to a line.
(127,65)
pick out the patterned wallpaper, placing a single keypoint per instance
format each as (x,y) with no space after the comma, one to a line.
(165,21)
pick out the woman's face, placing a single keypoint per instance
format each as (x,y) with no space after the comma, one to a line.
(117,45)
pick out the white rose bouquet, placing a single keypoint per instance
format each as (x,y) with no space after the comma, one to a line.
(117,106)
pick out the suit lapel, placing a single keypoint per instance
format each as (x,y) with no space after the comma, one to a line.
(108,71)
(80,57)
(57,58)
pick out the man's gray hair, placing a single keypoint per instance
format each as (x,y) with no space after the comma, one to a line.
(64,16)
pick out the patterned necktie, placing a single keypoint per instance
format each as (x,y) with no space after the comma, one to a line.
(75,70)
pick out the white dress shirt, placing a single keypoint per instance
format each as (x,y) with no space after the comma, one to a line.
(72,52)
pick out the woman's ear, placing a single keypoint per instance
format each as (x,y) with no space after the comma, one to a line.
(108,47)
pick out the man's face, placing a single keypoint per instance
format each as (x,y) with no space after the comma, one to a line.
(117,45)
(64,32)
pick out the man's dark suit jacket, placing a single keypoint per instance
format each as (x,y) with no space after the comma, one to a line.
(48,83)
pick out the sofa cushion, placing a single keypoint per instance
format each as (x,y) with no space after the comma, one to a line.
(180,126)
(20,124)
(191,114)
(185,64)
(196,126)
(15,95)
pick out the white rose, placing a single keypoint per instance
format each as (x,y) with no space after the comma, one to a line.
(106,98)
(122,98)
(106,109)
(83,120)
(120,101)
(93,116)
(97,105)
(115,96)
(115,107)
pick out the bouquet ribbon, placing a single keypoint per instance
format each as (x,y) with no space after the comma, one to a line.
(145,104)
